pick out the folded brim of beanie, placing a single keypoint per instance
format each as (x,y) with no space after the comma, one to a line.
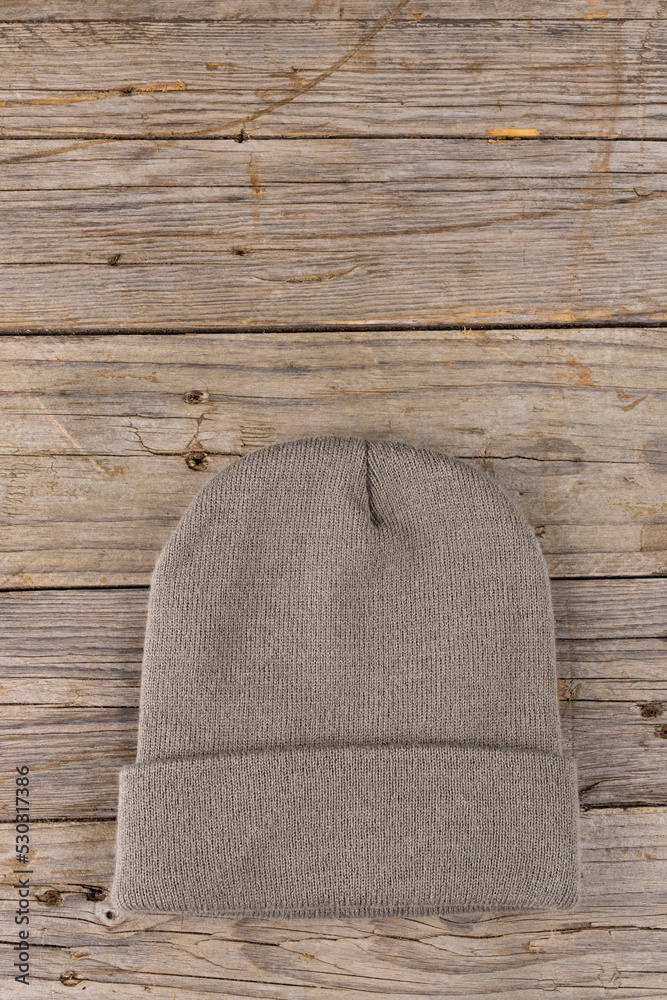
(349,831)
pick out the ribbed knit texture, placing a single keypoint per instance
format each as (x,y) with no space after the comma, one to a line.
(348,697)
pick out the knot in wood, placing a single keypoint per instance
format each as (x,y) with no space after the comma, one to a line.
(195,396)
(197,460)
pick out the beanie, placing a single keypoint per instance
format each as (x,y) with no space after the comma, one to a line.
(348,697)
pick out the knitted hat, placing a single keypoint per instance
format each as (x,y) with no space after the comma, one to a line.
(348,700)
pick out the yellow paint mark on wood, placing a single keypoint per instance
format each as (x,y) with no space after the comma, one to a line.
(513,133)
(634,403)
(267,95)
(154,87)
(295,78)
(158,87)
(68,99)
(215,65)
(568,690)
(595,13)
(583,374)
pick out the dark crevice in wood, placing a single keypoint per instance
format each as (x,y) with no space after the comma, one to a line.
(245,21)
(623,806)
(210,452)
(94,137)
(373,327)
(110,818)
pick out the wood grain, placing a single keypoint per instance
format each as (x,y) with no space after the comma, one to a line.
(571,426)
(197,203)
(339,288)
(246,11)
(384,76)
(206,235)
(63,635)
(624,871)
(405,167)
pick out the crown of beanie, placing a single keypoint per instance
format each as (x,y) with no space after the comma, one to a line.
(348,697)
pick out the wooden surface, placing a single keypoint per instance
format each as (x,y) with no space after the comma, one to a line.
(98,433)
(394,197)
(237,223)
(624,859)
(207,233)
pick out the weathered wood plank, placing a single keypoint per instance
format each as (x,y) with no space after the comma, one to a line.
(494,395)
(326,217)
(572,426)
(192,988)
(346,287)
(610,608)
(324,10)
(74,771)
(216,234)
(60,635)
(107,693)
(385,75)
(611,944)
(307,366)
(438,165)
(373,215)
(613,691)
(633,671)
(271,254)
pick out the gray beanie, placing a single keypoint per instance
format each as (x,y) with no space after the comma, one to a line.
(348,699)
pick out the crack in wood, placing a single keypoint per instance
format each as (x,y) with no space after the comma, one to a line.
(293,94)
